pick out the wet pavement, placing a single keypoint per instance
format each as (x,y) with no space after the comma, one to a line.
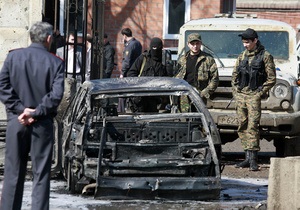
(235,194)
(239,191)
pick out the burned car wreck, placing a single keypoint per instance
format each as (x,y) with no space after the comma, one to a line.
(129,153)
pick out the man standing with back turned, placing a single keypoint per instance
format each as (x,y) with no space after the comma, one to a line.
(31,88)
(132,50)
(253,76)
(108,57)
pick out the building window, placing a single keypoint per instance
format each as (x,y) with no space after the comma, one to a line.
(229,7)
(176,13)
(72,12)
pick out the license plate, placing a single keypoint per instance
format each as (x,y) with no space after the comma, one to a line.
(227,120)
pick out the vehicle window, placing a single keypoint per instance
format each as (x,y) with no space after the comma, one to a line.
(139,104)
(226,44)
(155,118)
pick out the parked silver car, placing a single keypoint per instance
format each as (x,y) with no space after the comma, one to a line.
(131,152)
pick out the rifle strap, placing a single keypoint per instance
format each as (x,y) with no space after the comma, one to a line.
(143,66)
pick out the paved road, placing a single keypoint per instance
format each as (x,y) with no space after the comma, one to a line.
(236,194)
(240,188)
(237,147)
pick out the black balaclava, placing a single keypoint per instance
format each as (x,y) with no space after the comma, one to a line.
(156,46)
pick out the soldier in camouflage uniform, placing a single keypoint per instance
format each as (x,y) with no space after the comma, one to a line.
(253,76)
(198,68)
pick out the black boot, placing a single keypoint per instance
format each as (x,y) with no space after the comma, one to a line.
(246,162)
(253,160)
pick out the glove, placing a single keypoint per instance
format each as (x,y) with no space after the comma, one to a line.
(204,93)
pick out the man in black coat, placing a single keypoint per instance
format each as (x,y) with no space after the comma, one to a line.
(148,63)
(132,50)
(108,58)
(31,88)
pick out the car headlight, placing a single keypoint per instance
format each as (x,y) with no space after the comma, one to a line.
(285,104)
(280,91)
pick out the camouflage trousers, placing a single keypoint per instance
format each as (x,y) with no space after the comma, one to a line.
(185,105)
(249,113)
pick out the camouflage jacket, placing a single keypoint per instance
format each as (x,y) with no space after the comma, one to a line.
(269,69)
(208,76)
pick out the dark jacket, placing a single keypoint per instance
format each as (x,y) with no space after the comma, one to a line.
(269,69)
(32,78)
(108,60)
(132,51)
(206,72)
(151,67)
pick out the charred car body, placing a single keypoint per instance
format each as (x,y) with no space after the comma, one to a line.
(125,154)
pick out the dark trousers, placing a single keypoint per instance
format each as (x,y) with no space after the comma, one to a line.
(20,140)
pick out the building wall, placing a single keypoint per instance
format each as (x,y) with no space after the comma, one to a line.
(283,10)
(15,21)
(290,17)
(145,19)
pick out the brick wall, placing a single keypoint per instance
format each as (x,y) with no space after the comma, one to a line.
(290,17)
(145,19)
(283,10)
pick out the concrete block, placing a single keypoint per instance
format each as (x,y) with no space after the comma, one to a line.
(284,183)
(16,17)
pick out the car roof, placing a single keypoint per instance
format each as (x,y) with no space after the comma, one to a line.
(241,23)
(132,84)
